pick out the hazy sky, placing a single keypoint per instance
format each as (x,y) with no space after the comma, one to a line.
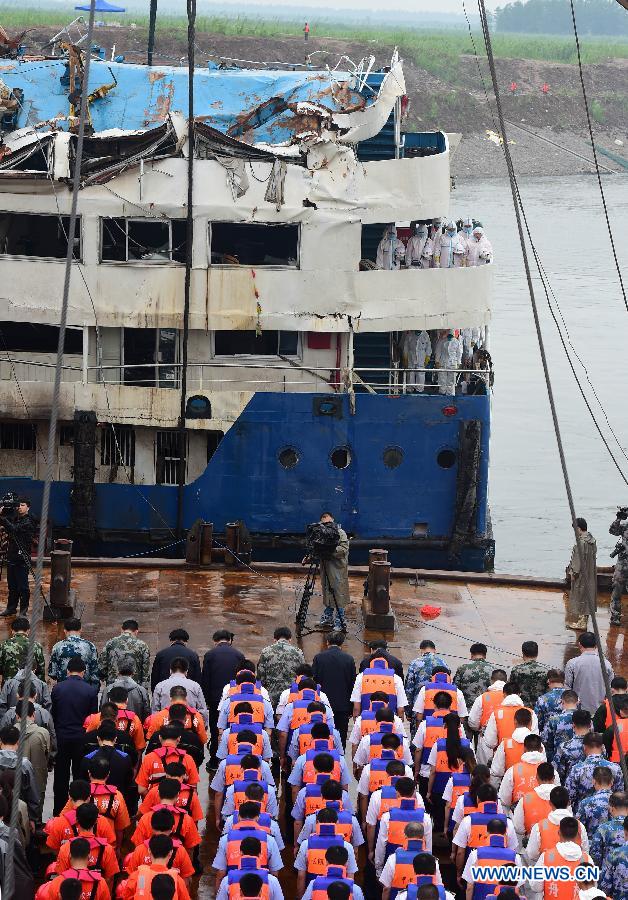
(442,6)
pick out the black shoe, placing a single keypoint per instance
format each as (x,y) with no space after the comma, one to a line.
(8,612)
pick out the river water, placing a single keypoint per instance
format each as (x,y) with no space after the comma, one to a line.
(530,514)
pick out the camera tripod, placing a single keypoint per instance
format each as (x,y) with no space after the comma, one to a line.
(308,589)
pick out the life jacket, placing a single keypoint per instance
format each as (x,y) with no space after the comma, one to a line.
(145,875)
(368,722)
(300,715)
(440,682)
(343,827)
(185,797)
(378,776)
(468,806)
(297,694)
(535,809)
(310,773)
(233,764)
(390,799)
(375,742)
(179,816)
(413,887)
(252,686)
(491,701)
(608,721)
(442,769)
(398,819)
(434,729)
(96,851)
(478,835)
(322,882)
(378,677)
(549,837)
(317,845)
(245,723)
(235,836)
(240,786)
(622,727)
(89,881)
(524,779)
(104,796)
(460,784)
(562,890)
(313,799)
(248,865)
(125,720)
(247,694)
(403,873)
(305,741)
(494,854)
(165,755)
(263,823)
(505,721)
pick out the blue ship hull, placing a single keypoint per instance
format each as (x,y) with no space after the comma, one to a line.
(413,509)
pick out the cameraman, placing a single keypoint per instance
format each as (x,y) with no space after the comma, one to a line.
(20,529)
(335,579)
(620,575)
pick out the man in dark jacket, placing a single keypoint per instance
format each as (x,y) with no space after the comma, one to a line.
(178,648)
(335,671)
(20,530)
(73,700)
(220,665)
(379,649)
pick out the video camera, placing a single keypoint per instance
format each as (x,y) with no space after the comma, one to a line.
(322,539)
(622,512)
(618,551)
(9,504)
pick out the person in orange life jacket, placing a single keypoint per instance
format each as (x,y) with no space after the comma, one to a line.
(535,804)
(523,776)
(544,834)
(588,890)
(152,767)
(403,830)
(193,719)
(315,711)
(138,885)
(289,694)
(121,769)
(251,812)
(391,797)
(481,710)
(371,744)
(246,671)
(94,886)
(333,887)
(270,804)
(64,827)
(179,674)
(494,854)
(380,771)
(338,855)
(423,888)
(501,723)
(102,856)
(472,830)
(243,713)
(511,749)
(303,739)
(287,721)
(187,797)
(394,870)
(344,823)
(247,691)
(108,798)
(614,751)
(311,798)
(162,822)
(429,731)
(304,771)
(249,883)
(252,770)
(468,801)
(446,756)
(126,721)
(602,715)
(322,764)
(568,853)
(421,707)
(179,714)
(371,720)
(396,684)
(242,842)
(232,767)
(184,825)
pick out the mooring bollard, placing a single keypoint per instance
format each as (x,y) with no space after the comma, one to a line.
(232,540)
(61,605)
(206,541)
(378,615)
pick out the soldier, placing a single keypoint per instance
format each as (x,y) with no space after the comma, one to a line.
(473,678)
(610,834)
(420,670)
(126,644)
(13,651)
(579,782)
(594,809)
(614,877)
(560,726)
(73,645)
(620,575)
(278,664)
(571,751)
(548,704)
(530,675)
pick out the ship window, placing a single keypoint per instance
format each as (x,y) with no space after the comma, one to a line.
(66,435)
(249,343)
(168,460)
(392,457)
(17,436)
(117,446)
(446,459)
(288,457)
(143,240)
(28,337)
(341,458)
(213,440)
(150,356)
(30,234)
(253,244)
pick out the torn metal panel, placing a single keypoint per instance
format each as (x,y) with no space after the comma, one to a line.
(106,154)
(359,126)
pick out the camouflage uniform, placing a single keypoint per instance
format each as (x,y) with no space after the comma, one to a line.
(277,666)
(558,730)
(119,648)
(64,650)
(548,705)
(568,753)
(13,654)
(579,782)
(420,671)
(609,835)
(593,810)
(473,678)
(620,574)
(531,677)
(614,877)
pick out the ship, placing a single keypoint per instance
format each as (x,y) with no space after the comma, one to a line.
(273,388)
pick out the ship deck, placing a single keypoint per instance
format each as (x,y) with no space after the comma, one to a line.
(162,597)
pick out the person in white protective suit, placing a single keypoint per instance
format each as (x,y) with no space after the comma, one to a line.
(417,350)
(471,338)
(480,251)
(449,357)
(390,251)
(466,235)
(435,234)
(453,250)
(415,246)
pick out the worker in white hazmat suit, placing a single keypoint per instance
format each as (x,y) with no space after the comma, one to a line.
(390,251)
(448,358)
(415,246)
(452,251)
(435,234)
(466,234)
(417,350)
(480,251)
(470,340)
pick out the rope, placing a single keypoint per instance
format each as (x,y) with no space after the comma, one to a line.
(52,434)
(546,372)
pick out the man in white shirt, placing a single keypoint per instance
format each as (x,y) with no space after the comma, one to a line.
(511,747)
(491,738)
(478,717)
(511,790)
(546,775)
(356,694)
(566,853)
(560,809)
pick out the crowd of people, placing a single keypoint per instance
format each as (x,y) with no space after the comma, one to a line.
(435,244)
(420,783)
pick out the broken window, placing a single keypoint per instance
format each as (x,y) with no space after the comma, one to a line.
(29,337)
(168,457)
(66,435)
(252,244)
(143,240)
(150,356)
(34,158)
(31,234)
(17,436)
(248,343)
(117,446)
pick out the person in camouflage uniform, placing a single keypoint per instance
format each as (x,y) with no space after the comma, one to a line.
(571,751)
(126,644)
(474,677)
(594,809)
(420,670)
(278,664)
(13,651)
(579,781)
(560,726)
(614,877)
(74,645)
(548,704)
(530,675)
(619,528)
(610,834)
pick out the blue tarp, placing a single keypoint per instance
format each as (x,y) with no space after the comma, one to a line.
(101,6)
(144,96)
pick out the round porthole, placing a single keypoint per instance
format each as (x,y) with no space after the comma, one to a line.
(341,457)
(392,457)
(288,457)
(446,459)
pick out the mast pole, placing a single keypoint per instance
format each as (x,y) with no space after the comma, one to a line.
(152,23)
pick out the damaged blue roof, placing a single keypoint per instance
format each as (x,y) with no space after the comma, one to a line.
(227,99)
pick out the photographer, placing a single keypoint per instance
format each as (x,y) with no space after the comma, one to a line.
(20,528)
(328,543)
(619,528)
